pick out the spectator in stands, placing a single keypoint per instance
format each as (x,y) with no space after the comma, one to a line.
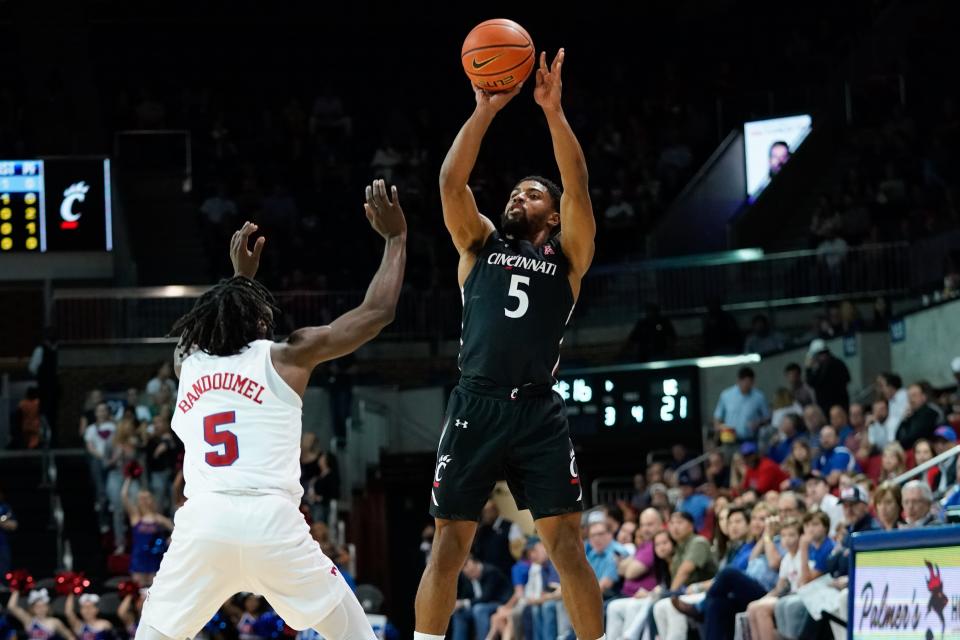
(680,457)
(788,433)
(784,404)
(834,458)
(640,499)
(498,540)
(97,437)
(602,557)
(802,392)
(760,612)
(944,475)
(877,432)
(163,378)
(762,473)
(693,563)
(626,535)
(797,465)
(840,420)
(763,339)
(25,425)
(37,619)
(89,625)
(8,524)
(790,505)
(324,489)
(89,413)
(717,472)
(721,335)
(813,419)
(163,401)
(922,451)
(132,404)
(481,590)
(652,338)
(43,366)
(858,440)
(819,498)
(121,463)
(893,463)
(638,576)
(309,453)
(814,550)
(162,453)
(888,505)
(664,548)
(917,503)
(693,502)
(742,407)
(891,388)
(535,582)
(828,376)
(922,417)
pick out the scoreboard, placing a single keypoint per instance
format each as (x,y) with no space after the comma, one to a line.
(633,403)
(55,204)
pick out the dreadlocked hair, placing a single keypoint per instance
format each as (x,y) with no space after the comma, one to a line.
(226,318)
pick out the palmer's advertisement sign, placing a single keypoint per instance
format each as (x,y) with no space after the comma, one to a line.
(907,593)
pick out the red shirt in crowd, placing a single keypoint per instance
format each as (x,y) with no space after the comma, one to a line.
(766,476)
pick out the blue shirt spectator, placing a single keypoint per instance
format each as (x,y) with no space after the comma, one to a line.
(519,573)
(820,555)
(696,504)
(741,558)
(742,406)
(780,450)
(833,457)
(601,555)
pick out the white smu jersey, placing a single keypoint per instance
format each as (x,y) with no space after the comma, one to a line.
(240,424)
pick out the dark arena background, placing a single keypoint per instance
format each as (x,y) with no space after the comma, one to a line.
(771,321)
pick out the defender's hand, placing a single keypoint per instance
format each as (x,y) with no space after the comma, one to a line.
(246,262)
(547,91)
(384,213)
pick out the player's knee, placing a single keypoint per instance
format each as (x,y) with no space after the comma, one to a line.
(450,548)
(147,632)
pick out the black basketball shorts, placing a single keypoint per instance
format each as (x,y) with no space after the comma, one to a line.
(524,440)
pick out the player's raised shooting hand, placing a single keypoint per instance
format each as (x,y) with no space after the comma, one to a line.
(383,211)
(547,91)
(246,262)
(490,103)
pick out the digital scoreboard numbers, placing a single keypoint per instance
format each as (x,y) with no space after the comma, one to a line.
(22,206)
(650,405)
(55,205)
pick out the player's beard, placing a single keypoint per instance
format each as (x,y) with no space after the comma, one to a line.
(517,227)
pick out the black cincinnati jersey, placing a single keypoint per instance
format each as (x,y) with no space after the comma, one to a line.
(516,303)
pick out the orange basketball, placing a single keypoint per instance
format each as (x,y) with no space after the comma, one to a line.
(497,55)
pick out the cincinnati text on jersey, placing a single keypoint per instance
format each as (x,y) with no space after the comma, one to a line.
(247,387)
(521,262)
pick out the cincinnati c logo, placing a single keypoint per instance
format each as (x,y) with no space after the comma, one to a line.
(574,474)
(77,192)
(441,465)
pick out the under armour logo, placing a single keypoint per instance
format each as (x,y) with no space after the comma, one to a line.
(333,571)
(547,250)
(461,423)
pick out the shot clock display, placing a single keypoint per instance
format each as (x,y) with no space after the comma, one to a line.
(56,204)
(657,405)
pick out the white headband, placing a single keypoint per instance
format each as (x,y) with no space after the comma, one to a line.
(38,595)
(92,598)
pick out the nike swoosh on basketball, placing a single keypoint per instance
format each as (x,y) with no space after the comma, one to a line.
(481,65)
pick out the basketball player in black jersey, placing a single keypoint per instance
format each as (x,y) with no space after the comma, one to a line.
(503,419)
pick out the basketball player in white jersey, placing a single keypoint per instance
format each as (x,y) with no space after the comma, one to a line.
(238,413)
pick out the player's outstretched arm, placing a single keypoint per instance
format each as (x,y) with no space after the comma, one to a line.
(576,211)
(468,229)
(308,347)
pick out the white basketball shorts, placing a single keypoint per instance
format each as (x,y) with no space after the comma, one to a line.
(223,544)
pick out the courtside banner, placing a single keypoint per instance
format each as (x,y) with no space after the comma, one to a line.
(907,592)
